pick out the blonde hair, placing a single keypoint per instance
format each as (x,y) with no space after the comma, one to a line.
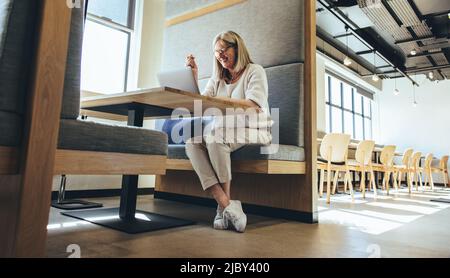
(231,39)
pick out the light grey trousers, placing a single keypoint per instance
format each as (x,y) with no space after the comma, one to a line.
(210,154)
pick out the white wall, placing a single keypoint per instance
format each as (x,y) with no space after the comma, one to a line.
(151,42)
(151,58)
(425,128)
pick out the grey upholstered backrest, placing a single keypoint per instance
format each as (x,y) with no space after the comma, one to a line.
(274,34)
(285,83)
(17,20)
(71,99)
(17,32)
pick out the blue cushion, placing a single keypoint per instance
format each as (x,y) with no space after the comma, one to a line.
(180,130)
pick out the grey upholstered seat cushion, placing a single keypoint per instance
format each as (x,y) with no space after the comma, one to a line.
(284,152)
(90,136)
(250,152)
(10,129)
(177,152)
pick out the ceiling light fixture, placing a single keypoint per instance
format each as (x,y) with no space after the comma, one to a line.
(375,76)
(413,52)
(431,75)
(414,93)
(396,91)
(347,60)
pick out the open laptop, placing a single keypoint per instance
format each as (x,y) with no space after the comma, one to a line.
(181,79)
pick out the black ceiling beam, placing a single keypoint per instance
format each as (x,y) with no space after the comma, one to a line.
(413,70)
(411,31)
(352,26)
(392,13)
(382,67)
(343,35)
(425,54)
(416,10)
(436,14)
(327,38)
(364,52)
(415,40)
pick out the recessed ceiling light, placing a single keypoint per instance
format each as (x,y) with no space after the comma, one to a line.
(413,52)
(347,61)
(375,78)
(431,75)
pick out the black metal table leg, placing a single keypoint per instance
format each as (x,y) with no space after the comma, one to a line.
(126,218)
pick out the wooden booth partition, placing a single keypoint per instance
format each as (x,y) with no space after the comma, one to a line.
(284,43)
(25,189)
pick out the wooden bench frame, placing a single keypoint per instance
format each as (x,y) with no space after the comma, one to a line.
(272,167)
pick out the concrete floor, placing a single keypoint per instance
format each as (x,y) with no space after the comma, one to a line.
(399,225)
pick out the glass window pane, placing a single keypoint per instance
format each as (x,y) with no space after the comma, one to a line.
(327,120)
(327,87)
(336,117)
(116,10)
(348,99)
(104,59)
(336,91)
(359,128)
(348,123)
(358,103)
(367,129)
(367,106)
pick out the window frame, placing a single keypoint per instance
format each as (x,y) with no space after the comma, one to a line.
(128,30)
(364,114)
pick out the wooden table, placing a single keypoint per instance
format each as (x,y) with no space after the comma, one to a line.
(153,103)
(135,107)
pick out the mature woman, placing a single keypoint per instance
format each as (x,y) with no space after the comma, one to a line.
(237,79)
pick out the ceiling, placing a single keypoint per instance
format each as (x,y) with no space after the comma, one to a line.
(392,38)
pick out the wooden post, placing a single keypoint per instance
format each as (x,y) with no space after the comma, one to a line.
(310,104)
(29,191)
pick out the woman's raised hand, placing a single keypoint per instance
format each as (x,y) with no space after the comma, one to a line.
(190,62)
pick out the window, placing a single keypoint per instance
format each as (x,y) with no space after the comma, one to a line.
(108,34)
(347,111)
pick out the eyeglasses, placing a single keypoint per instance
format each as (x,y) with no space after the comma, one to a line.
(223,50)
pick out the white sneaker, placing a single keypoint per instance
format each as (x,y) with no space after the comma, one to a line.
(220,223)
(236,216)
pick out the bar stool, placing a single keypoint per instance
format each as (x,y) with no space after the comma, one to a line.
(443,169)
(363,164)
(415,170)
(428,171)
(333,157)
(404,167)
(387,167)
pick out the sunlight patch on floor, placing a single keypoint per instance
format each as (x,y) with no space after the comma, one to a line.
(362,223)
(410,208)
(383,213)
